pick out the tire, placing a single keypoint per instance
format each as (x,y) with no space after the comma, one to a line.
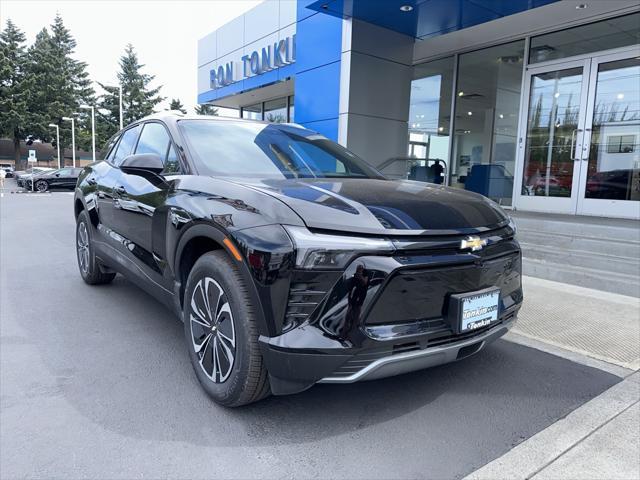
(42,186)
(87,262)
(229,329)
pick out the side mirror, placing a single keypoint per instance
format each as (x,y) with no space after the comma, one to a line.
(142,162)
(57,174)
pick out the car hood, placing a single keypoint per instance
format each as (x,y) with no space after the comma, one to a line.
(376,206)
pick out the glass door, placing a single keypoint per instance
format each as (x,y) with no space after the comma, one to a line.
(580,145)
(610,160)
(551,146)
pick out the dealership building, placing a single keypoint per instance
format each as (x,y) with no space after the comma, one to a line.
(534,103)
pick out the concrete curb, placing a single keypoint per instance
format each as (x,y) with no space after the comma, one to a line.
(530,457)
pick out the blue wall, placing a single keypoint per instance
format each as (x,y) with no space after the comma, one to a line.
(317,82)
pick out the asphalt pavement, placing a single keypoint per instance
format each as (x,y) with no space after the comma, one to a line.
(96,382)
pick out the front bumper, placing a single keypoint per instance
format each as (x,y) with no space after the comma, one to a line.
(419,359)
(399,320)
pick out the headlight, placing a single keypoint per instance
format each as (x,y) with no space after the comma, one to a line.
(320,251)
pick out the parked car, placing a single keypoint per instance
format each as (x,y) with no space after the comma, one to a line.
(61,178)
(23,175)
(290,260)
(8,169)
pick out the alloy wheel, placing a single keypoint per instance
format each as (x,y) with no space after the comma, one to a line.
(83,247)
(212,329)
(41,186)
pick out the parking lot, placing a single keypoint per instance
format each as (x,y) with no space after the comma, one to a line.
(96,382)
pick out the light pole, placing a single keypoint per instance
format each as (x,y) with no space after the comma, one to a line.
(73,137)
(93,128)
(119,87)
(57,140)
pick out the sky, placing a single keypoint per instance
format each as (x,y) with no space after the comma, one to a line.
(165,34)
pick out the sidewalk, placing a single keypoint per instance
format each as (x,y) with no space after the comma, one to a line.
(598,324)
(598,440)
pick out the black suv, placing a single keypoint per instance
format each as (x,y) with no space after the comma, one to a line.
(290,260)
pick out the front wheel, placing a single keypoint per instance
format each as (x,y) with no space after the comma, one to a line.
(87,262)
(221,332)
(42,186)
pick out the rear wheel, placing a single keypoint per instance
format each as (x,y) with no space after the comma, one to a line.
(222,334)
(87,262)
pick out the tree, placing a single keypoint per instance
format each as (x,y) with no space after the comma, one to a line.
(63,85)
(206,109)
(176,104)
(139,100)
(15,87)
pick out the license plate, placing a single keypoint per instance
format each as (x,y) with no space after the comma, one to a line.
(479,309)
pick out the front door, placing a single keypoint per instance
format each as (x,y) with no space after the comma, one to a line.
(580,148)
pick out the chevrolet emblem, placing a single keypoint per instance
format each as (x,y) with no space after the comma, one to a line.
(474,243)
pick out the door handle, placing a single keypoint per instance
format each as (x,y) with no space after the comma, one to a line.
(574,150)
(120,190)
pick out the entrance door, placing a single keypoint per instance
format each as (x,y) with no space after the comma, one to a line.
(580,151)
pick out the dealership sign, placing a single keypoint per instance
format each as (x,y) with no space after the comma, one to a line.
(270,57)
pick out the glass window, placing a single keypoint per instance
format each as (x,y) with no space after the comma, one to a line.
(614,157)
(108,151)
(291,109)
(275,111)
(486,120)
(252,112)
(126,145)
(154,139)
(594,37)
(429,118)
(269,151)
(172,165)
(554,107)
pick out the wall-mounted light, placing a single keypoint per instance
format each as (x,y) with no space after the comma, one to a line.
(461,93)
(406,8)
(620,96)
(469,113)
(581,6)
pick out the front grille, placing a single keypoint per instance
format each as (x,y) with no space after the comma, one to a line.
(303,299)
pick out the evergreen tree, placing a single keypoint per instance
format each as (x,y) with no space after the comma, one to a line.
(176,104)
(139,100)
(15,87)
(206,109)
(63,85)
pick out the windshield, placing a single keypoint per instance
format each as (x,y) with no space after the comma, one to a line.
(228,148)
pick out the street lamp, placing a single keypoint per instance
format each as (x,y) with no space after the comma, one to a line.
(73,137)
(93,128)
(57,140)
(119,87)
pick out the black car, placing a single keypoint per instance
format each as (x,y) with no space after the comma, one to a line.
(62,178)
(23,175)
(290,260)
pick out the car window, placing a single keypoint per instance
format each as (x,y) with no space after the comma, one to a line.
(126,145)
(172,165)
(76,172)
(154,139)
(108,150)
(229,148)
(64,172)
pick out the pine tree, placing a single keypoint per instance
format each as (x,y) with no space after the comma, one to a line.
(63,85)
(15,87)
(206,109)
(139,100)
(177,105)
